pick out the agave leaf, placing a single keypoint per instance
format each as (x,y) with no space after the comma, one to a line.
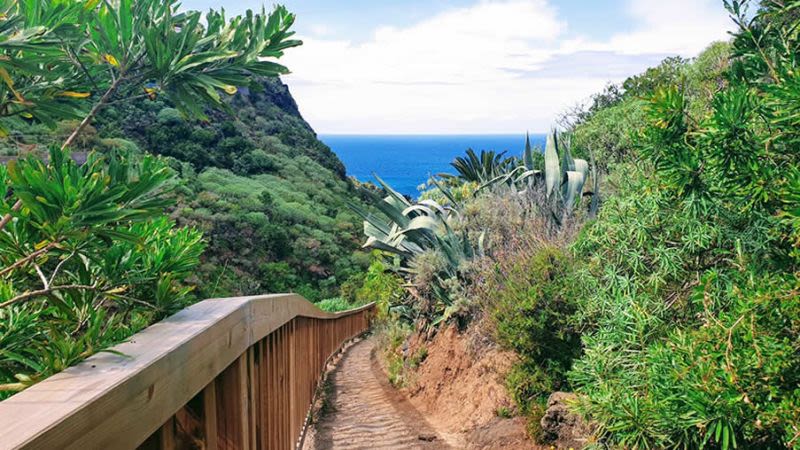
(423,223)
(582,166)
(498,179)
(419,209)
(552,172)
(376,229)
(392,193)
(567,163)
(433,204)
(383,246)
(527,155)
(527,174)
(573,188)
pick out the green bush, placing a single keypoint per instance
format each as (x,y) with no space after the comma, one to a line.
(380,286)
(691,315)
(531,312)
(89,260)
(335,304)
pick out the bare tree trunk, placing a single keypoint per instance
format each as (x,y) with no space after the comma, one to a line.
(86,121)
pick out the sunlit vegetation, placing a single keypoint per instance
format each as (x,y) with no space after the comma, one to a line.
(269,196)
(674,313)
(88,254)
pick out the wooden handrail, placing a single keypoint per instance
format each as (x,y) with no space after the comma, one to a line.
(233,373)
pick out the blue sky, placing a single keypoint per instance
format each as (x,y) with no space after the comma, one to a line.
(474,66)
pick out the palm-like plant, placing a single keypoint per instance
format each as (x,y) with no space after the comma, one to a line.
(480,168)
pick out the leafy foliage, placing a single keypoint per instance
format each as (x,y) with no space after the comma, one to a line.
(480,169)
(690,311)
(90,256)
(269,195)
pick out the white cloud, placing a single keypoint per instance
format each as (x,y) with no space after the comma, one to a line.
(497,66)
(682,27)
(320,29)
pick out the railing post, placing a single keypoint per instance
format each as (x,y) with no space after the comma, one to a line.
(292,377)
(167,436)
(210,416)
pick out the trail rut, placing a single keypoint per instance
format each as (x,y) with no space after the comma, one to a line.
(367,412)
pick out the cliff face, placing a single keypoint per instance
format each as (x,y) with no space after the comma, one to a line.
(273,101)
(269,196)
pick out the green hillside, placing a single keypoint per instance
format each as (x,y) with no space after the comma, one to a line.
(269,197)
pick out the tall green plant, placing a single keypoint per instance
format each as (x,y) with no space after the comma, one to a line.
(90,259)
(412,230)
(480,168)
(561,178)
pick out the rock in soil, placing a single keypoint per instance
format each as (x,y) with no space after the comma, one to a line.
(562,427)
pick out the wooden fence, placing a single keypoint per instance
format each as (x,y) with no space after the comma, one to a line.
(234,373)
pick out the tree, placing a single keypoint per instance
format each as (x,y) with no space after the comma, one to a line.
(87,255)
(116,49)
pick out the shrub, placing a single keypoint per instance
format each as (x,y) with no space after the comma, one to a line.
(380,286)
(88,261)
(335,304)
(692,312)
(531,310)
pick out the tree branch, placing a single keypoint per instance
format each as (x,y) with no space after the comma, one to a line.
(48,291)
(93,112)
(86,121)
(28,258)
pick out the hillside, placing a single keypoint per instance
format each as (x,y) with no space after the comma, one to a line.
(269,197)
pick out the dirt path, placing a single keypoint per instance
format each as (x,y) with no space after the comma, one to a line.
(367,413)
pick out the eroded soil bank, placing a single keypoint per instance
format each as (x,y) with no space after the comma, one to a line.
(459,388)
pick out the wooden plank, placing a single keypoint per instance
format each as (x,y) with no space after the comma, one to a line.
(167,435)
(252,393)
(210,416)
(293,375)
(243,414)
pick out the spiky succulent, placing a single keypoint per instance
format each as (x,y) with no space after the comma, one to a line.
(561,176)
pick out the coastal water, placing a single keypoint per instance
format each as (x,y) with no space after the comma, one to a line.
(407,161)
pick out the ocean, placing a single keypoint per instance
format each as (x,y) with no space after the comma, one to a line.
(407,161)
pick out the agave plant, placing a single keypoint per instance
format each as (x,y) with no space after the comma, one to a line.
(413,229)
(562,177)
(410,228)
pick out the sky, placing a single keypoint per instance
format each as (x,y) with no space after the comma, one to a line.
(474,66)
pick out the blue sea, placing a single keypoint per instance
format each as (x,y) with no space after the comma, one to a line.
(407,161)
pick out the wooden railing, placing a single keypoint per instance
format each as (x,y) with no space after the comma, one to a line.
(234,373)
